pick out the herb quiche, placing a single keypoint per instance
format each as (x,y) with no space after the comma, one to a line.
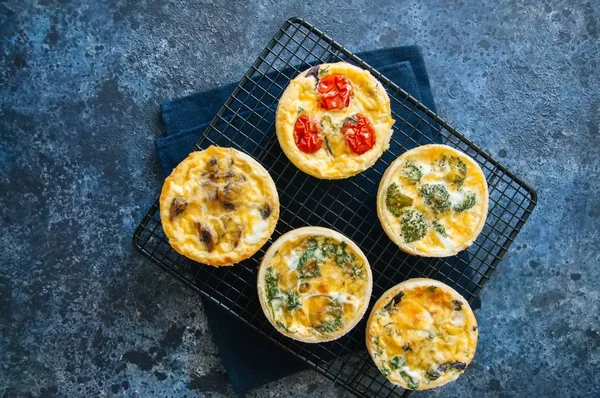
(218,206)
(433,201)
(314,284)
(421,334)
(334,120)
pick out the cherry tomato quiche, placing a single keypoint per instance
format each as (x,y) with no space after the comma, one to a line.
(219,206)
(334,120)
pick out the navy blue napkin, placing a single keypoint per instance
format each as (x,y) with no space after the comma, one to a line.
(250,359)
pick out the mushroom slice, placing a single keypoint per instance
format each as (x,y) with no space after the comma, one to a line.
(233,230)
(265,210)
(178,206)
(231,192)
(210,189)
(206,236)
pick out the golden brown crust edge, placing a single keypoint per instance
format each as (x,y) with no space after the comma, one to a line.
(388,228)
(311,231)
(224,259)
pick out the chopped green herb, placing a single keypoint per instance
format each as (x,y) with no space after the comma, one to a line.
(432,289)
(323,71)
(412,384)
(330,326)
(385,371)
(431,335)
(396,200)
(412,172)
(292,301)
(414,225)
(308,267)
(342,257)
(439,228)
(397,362)
(300,110)
(272,286)
(356,272)
(283,326)
(436,196)
(376,342)
(467,203)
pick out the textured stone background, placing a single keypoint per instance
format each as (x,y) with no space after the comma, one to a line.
(81,313)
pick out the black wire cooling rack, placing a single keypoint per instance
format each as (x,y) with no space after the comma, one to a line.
(247,122)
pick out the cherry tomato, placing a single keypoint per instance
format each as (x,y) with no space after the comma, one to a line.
(335,91)
(306,134)
(359,134)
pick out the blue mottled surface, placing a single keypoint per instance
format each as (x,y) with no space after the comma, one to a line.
(81,313)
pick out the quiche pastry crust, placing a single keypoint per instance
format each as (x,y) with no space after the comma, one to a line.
(219,206)
(449,195)
(334,159)
(421,334)
(314,284)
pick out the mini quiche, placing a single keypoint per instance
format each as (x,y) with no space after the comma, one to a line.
(219,206)
(334,121)
(421,334)
(433,201)
(314,284)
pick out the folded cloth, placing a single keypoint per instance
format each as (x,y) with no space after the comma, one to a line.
(250,359)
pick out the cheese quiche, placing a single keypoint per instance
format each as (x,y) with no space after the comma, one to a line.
(334,120)
(421,334)
(219,206)
(314,284)
(433,201)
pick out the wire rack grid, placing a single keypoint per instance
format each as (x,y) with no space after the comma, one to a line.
(246,122)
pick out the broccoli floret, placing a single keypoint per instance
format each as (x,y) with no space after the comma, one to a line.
(439,228)
(412,172)
(414,225)
(467,203)
(458,170)
(396,200)
(436,196)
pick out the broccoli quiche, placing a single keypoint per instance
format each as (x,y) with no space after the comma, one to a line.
(314,284)
(334,120)
(219,206)
(433,201)
(421,334)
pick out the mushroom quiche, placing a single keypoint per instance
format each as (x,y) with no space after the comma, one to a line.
(219,206)
(433,201)
(314,284)
(421,334)
(334,120)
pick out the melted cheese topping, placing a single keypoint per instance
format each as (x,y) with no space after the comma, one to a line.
(218,206)
(301,97)
(315,286)
(450,224)
(422,336)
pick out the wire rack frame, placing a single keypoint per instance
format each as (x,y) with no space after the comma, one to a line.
(246,122)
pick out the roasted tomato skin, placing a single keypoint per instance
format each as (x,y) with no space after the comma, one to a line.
(336,91)
(359,134)
(307,134)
